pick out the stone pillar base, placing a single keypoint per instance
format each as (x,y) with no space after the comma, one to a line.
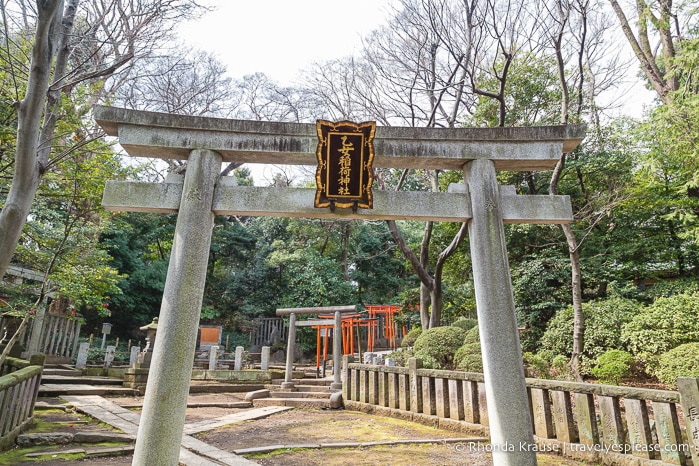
(287,384)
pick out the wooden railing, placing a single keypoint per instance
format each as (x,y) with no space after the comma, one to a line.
(59,336)
(19,386)
(589,422)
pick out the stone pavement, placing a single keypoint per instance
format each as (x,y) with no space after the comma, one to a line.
(193,452)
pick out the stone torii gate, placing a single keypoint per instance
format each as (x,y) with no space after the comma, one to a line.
(201,193)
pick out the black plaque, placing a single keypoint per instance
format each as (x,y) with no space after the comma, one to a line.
(345,155)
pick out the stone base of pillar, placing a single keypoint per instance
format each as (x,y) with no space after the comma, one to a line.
(336,386)
(287,384)
(136,378)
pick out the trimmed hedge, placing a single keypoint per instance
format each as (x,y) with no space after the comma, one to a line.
(436,347)
(682,361)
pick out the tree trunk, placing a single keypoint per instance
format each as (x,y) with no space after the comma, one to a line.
(425,302)
(28,169)
(345,247)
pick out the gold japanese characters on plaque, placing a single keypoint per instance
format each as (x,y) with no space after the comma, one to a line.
(345,155)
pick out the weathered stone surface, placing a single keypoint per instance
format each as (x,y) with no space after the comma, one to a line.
(161,427)
(610,420)
(638,426)
(48,438)
(566,430)
(336,400)
(587,422)
(98,437)
(254,395)
(506,393)
(298,202)
(167,136)
(689,397)
(669,434)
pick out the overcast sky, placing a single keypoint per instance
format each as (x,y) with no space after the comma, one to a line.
(280,37)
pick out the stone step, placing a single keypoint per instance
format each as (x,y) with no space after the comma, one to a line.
(299,394)
(50,389)
(77,380)
(302,388)
(308,403)
(306,381)
(221,387)
(66,372)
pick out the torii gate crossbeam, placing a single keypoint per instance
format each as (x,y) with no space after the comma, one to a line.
(207,142)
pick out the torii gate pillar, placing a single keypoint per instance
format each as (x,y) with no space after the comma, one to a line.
(160,430)
(511,434)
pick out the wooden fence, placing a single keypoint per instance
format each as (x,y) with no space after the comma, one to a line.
(59,335)
(19,386)
(590,422)
(268,331)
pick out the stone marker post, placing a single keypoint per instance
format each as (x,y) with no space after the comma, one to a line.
(165,403)
(81,362)
(689,398)
(337,352)
(506,392)
(290,348)
(213,357)
(109,356)
(238,363)
(264,358)
(133,356)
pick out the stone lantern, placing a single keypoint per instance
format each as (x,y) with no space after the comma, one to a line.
(147,353)
(137,375)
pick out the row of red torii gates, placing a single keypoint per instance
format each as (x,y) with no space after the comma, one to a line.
(380,323)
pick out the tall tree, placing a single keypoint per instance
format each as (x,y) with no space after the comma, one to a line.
(71,48)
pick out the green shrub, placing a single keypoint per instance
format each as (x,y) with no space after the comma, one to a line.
(468,357)
(535,366)
(436,346)
(604,320)
(410,337)
(667,323)
(561,368)
(465,324)
(682,361)
(612,366)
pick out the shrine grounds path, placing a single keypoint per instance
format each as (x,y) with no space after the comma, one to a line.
(218,432)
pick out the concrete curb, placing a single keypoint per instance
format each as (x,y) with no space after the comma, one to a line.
(301,446)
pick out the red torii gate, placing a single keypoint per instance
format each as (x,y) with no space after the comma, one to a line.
(351,323)
(388,329)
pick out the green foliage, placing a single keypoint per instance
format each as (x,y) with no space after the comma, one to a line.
(377,268)
(682,361)
(612,366)
(604,320)
(436,346)
(661,326)
(535,366)
(411,337)
(561,368)
(532,94)
(465,324)
(138,246)
(666,288)
(401,356)
(468,357)
(541,288)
